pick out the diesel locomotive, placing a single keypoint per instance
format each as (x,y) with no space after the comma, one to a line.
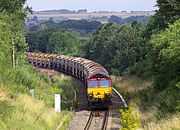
(95,76)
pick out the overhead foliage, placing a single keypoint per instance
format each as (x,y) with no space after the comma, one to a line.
(15,7)
(168,10)
(167,13)
(11,5)
(12,14)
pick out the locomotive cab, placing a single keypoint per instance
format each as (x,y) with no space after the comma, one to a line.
(99,89)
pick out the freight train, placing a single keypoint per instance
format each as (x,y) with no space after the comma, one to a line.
(95,76)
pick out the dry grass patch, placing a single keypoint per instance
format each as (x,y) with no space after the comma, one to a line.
(3,94)
(170,123)
(131,83)
(24,112)
(145,116)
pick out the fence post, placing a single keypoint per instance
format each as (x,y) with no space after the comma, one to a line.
(57,103)
(13,54)
(32,92)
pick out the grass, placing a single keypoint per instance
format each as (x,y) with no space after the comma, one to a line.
(145,101)
(134,84)
(18,110)
(169,123)
(24,112)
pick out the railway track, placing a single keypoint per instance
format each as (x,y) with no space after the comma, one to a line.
(103,122)
(95,114)
(89,120)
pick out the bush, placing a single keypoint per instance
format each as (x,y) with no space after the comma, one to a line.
(129,119)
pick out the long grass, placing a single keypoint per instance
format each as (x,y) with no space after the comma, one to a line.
(144,100)
(18,110)
(170,123)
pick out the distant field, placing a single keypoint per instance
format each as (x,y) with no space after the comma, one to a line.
(46,16)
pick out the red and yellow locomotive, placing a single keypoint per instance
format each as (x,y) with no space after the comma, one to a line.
(95,76)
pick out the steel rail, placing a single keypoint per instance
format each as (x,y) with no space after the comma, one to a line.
(89,121)
(105,120)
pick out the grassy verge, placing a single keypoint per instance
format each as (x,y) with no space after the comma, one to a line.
(18,110)
(145,102)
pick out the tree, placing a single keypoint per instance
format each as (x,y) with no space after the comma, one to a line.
(11,30)
(11,6)
(116,19)
(167,13)
(63,42)
(168,10)
(165,61)
(15,7)
(126,43)
(119,21)
(83,27)
(117,48)
(165,55)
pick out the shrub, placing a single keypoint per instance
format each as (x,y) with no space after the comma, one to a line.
(129,119)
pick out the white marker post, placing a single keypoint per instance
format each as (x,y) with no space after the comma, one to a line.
(32,92)
(57,103)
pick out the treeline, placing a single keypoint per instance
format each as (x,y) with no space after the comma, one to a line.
(55,41)
(83,27)
(65,11)
(120,21)
(67,37)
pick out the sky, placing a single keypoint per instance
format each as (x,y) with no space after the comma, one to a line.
(93,5)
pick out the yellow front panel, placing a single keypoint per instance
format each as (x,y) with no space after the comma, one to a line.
(99,92)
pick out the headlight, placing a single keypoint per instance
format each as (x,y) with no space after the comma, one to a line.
(107,94)
(90,95)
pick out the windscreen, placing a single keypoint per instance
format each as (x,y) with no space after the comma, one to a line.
(104,83)
(93,84)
